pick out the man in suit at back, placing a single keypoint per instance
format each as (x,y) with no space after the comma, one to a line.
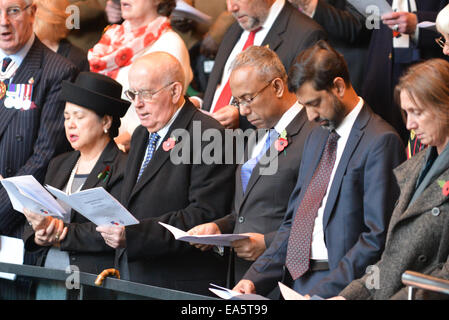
(339,210)
(273,23)
(259,84)
(31,116)
(159,188)
(31,125)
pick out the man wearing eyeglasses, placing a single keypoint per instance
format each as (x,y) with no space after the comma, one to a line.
(259,85)
(156,189)
(31,116)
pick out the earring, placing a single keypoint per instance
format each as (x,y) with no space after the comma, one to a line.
(105,130)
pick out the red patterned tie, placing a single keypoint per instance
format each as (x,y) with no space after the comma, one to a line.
(299,243)
(226,94)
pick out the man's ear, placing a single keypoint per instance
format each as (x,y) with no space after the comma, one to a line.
(279,87)
(339,87)
(176,91)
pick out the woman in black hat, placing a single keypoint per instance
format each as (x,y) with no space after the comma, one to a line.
(92,118)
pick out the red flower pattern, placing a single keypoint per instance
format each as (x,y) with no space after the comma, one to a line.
(168,144)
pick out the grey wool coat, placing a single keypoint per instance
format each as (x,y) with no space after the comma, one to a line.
(417,239)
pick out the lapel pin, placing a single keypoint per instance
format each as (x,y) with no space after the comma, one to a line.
(31,81)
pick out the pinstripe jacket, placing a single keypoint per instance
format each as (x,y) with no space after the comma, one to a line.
(30,138)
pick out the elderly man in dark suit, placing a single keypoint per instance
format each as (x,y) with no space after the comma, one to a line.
(259,83)
(31,120)
(159,188)
(273,23)
(338,212)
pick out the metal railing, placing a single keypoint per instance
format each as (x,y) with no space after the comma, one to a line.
(416,280)
(131,289)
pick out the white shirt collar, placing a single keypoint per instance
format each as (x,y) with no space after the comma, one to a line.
(275,9)
(20,55)
(344,129)
(162,132)
(288,117)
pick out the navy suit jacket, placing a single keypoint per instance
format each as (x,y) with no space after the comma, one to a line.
(30,138)
(383,71)
(357,212)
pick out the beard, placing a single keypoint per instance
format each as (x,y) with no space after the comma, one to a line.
(338,114)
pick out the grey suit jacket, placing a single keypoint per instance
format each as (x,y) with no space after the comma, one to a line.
(417,239)
(262,207)
(30,138)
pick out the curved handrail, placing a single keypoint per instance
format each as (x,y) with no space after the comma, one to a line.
(422,281)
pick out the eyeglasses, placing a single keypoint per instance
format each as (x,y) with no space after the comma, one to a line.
(245,101)
(145,95)
(14,12)
(440,42)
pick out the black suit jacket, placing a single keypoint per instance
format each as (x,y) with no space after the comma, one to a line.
(29,139)
(262,207)
(84,244)
(291,33)
(183,195)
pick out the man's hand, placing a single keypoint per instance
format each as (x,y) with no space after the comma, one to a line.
(245,287)
(228,116)
(307,6)
(251,248)
(403,22)
(114,236)
(204,229)
(113,12)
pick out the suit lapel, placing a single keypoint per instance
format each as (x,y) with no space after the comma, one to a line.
(29,68)
(182,121)
(274,37)
(292,130)
(351,145)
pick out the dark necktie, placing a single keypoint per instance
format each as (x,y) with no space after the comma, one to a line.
(5,63)
(151,147)
(226,94)
(247,167)
(300,240)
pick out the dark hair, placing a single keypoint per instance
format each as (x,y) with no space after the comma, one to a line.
(320,64)
(165,7)
(113,130)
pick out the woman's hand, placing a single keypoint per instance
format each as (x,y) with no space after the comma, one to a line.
(53,234)
(36,221)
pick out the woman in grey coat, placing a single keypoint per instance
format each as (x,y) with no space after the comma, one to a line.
(418,234)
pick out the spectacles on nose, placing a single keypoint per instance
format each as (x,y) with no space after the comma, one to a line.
(246,100)
(442,43)
(145,95)
(14,12)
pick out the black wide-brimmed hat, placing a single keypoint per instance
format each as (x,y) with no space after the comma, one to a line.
(97,92)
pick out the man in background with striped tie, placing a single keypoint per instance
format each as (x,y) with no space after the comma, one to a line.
(158,189)
(339,210)
(259,86)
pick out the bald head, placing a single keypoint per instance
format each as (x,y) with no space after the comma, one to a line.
(159,66)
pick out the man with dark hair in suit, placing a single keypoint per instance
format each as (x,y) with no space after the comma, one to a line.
(273,23)
(339,210)
(158,188)
(31,116)
(259,84)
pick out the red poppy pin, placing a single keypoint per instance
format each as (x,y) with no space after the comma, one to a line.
(445,186)
(104,174)
(168,144)
(282,142)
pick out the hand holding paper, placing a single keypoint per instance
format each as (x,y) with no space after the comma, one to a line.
(216,240)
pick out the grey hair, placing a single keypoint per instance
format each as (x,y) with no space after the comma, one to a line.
(264,60)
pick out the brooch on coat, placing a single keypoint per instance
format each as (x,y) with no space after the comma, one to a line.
(104,174)
(445,186)
(281,143)
(169,144)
